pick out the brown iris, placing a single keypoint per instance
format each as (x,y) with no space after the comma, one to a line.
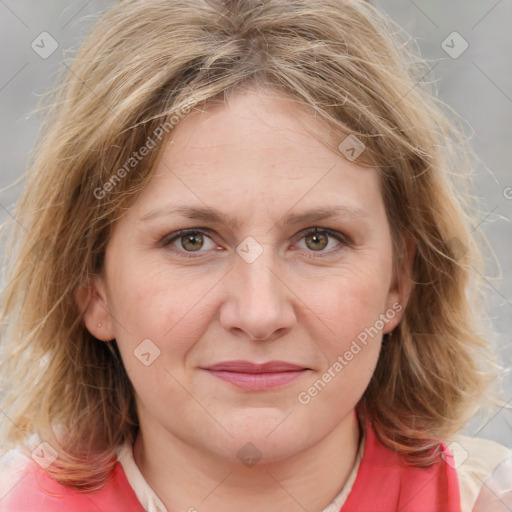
(317,241)
(192,242)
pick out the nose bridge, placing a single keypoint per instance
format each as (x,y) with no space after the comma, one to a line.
(255,269)
(260,305)
(258,276)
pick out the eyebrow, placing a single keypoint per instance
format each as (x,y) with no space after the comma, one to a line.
(207,214)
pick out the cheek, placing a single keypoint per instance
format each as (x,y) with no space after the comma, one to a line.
(348,302)
(347,331)
(151,302)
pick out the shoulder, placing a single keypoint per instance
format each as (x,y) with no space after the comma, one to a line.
(13,466)
(25,486)
(484,470)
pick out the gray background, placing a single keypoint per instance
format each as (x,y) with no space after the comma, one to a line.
(477,85)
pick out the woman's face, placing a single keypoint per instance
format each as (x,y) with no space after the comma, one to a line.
(261,323)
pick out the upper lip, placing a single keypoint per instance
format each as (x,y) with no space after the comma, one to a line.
(249,367)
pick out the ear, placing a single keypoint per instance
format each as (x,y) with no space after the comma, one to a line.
(402,284)
(92,301)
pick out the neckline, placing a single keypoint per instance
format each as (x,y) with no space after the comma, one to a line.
(152,503)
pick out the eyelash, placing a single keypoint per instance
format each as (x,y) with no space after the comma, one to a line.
(169,239)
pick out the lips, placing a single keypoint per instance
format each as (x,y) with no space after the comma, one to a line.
(256,376)
(248,367)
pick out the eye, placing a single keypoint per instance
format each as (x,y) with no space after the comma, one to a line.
(186,242)
(322,240)
(190,241)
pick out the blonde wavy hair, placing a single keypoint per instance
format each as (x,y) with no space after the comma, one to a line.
(143,63)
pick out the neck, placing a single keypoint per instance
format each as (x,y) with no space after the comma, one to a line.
(186,478)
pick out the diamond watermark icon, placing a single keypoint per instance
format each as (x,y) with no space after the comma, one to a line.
(249,249)
(351,147)
(457,249)
(45,454)
(44,45)
(460,455)
(454,45)
(249,455)
(39,248)
(146,352)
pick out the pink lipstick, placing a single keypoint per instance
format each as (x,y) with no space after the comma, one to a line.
(256,377)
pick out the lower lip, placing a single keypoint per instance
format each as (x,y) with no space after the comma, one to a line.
(258,381)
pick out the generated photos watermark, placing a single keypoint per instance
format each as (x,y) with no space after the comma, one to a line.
(357,345)
(137,156)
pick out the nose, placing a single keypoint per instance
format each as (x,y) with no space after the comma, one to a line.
(259,304)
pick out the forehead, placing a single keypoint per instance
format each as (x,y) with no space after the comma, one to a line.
(253,125)
(259,150)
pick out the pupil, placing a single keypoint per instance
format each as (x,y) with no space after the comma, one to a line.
(319,240)
(192,242)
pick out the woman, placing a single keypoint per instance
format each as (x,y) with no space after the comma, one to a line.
(246,276)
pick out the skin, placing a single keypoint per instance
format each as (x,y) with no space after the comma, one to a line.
(251,159)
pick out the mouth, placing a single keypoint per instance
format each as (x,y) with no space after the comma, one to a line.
(257,377)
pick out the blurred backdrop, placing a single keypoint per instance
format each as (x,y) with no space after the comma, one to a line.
(468,44)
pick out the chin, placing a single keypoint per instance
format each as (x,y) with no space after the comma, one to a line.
(268,438)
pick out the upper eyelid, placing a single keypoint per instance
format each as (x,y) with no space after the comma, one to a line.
(167,239)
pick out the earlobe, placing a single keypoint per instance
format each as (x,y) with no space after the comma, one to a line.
(93,305)
(402,284)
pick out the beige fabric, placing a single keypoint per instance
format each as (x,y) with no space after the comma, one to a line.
(484,469)
(147,497)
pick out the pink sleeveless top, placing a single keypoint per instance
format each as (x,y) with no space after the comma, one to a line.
(384,483)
